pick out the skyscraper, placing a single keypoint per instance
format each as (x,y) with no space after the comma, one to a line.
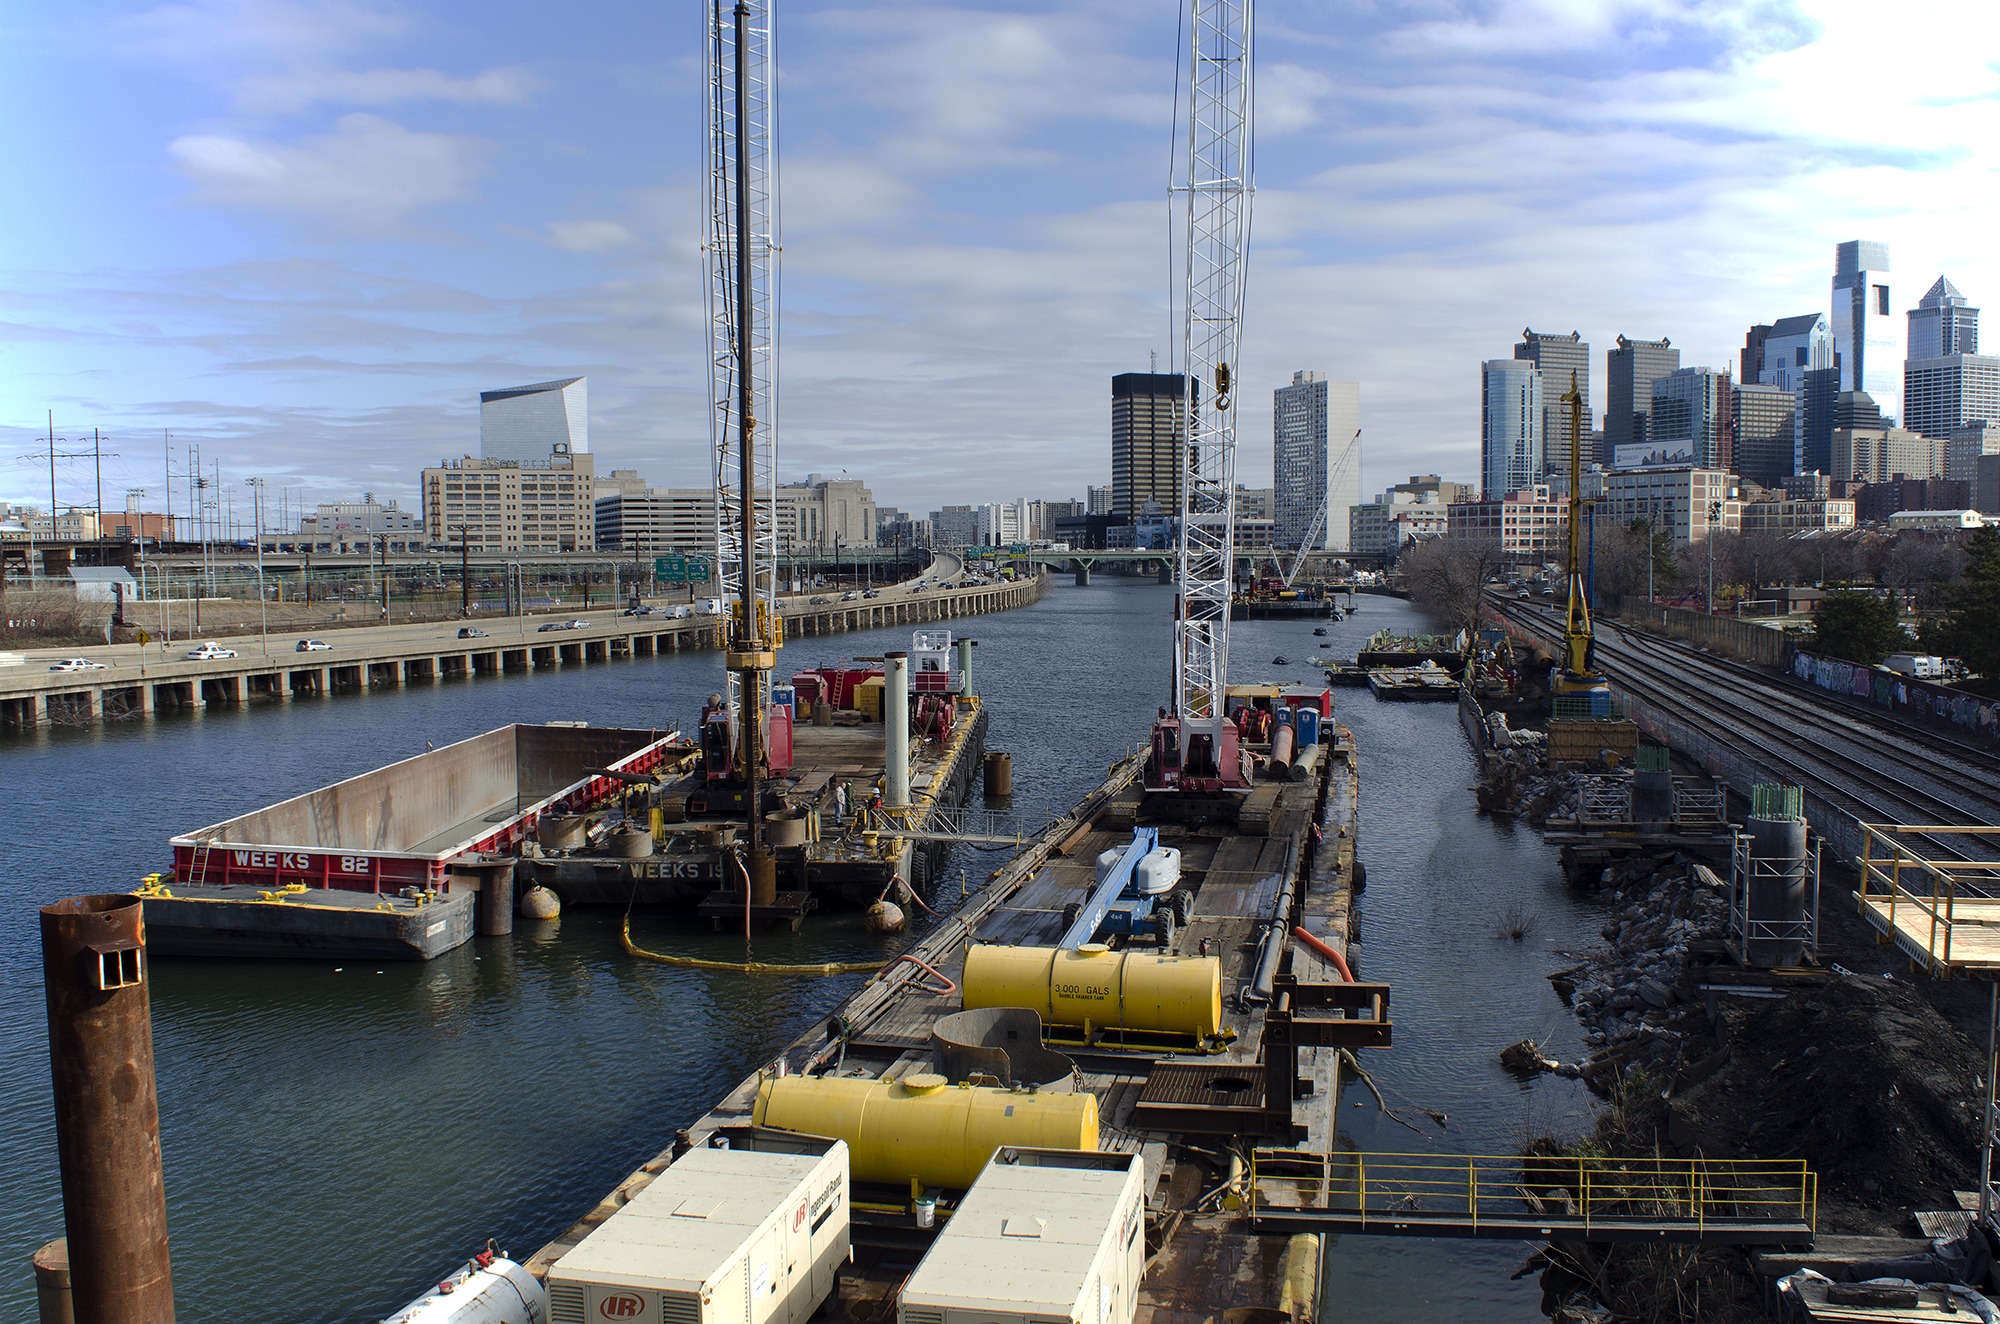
(1315,458)
(1780,354)
(1147,424)
(526,424)
(1691,416)
(1863,338)
(1511,457)
(1558,358)
(1629,373)
(1812,436)
(1764,419)
(1943,323)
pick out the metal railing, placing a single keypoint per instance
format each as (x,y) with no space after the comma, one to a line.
(1605,800)
(1698,802)
(1593,1195)
(1918,895)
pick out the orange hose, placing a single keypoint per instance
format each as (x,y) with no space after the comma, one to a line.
(1339,961)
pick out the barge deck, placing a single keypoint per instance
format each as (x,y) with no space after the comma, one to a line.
(1199,1110)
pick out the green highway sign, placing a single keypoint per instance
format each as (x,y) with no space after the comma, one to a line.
(679,569)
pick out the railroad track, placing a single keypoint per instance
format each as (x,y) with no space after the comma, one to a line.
(1875,773)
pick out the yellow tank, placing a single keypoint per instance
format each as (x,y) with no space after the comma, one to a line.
(920,1128)
(1094,986)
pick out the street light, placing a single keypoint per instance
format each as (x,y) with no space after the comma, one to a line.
(1714,521)
(256,486)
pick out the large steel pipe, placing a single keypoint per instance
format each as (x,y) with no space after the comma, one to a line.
(896,733)
(107,1113)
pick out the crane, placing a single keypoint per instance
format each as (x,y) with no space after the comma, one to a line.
(1194,745)
(742,247)
(1318,525)
(1577,676)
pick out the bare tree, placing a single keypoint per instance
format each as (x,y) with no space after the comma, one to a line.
(1447,577)
(1918,564)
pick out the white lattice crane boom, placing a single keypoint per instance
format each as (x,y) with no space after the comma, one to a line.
(1217,190)
(727,431)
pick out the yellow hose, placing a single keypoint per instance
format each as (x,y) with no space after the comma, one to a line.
(745,967)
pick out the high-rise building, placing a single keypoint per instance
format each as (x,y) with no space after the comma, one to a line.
(1942,395)
(1966,449)
(1782,353)
(1763,424)
(1559,359)
(527,424)
(1511,457)
(1864,339)
(1315,458)
(1689,423)
(1943,323)
(1147,423)
(1812,434)
(1097,500)
(1629,373)
(1877,455)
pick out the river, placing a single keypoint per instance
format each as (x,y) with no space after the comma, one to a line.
(336,1136)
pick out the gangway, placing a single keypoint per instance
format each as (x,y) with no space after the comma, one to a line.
(1741,1202)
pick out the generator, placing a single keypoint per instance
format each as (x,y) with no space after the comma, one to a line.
(1042,1237)
(726,1235)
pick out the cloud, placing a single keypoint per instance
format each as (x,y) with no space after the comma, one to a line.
(207,36)
(367,171)
(590,236)
(298,90)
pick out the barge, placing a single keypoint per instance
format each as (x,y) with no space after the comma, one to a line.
(402,862)
(1192,1019)
(842,831)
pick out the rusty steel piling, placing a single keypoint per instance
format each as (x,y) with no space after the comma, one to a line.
(107,1112)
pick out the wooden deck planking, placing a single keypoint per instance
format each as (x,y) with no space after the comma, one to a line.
(1973,929)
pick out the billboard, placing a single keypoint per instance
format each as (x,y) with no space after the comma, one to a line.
(1673,454)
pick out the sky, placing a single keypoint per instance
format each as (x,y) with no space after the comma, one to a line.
(303,235)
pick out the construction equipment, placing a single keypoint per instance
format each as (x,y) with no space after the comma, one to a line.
(1195,746)
(1318,526)
(742,298)
(1576,675)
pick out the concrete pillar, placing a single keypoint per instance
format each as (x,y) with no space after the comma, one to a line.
(147,699)
(107,1111)
(896,727)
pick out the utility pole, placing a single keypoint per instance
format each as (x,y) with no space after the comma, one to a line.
(97,453)
(464,569)
(52,475)
(256,486)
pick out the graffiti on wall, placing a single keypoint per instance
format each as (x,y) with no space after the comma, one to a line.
(1934,705)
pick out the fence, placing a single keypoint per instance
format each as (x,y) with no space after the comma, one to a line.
(1964,716)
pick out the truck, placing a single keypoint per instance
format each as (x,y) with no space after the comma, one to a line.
(1918,666)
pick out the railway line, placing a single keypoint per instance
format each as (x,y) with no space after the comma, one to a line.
(1876,772)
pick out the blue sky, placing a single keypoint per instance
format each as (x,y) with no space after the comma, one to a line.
(305,235)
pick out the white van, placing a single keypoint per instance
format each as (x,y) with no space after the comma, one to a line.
(708,607)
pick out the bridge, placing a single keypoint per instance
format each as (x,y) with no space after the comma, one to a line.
(1741,1202)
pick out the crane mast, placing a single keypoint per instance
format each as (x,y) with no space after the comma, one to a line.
(1578,674)
(1217,191)
(1194,745)
(742,296)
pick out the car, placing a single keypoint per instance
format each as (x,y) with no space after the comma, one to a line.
(872,593)
(209,652)
(76,664)
(820,601)
(471,632)
(314,646)
(576,624)
(552,625)
(849,596)
(640,610)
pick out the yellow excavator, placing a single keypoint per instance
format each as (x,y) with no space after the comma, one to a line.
(1576,676)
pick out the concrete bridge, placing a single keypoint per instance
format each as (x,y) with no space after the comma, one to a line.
(138,681)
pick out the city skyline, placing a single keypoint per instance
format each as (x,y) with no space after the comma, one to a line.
(307,237)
